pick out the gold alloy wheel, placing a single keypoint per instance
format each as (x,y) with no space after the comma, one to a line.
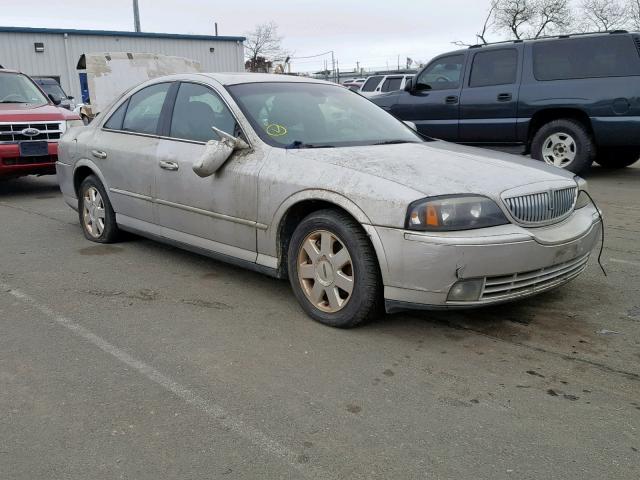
(93,212)
(325,271)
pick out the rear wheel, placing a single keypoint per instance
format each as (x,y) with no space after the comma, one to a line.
(618,157)
(564,143)
(333,270)
(97,217)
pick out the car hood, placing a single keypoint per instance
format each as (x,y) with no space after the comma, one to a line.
(22,112)
(440,168)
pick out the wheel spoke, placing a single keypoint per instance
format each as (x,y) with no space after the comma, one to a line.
(333,297)
(340,259)
(344,283)
(307,271)
(317,292)
(311,250)
(99,213)
(326,243)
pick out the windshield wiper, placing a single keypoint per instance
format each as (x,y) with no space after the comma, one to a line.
(394,142)
(299,144)
(11,101)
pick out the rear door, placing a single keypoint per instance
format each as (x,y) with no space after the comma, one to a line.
(434,101)
(124,150)
(489,101)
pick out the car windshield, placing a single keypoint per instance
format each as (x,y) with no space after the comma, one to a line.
(53,89)
(17,88)
(313,115)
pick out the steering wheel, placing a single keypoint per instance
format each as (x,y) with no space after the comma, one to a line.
(442,79)
(12,95)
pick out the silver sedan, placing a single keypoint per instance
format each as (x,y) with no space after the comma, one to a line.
(305,180)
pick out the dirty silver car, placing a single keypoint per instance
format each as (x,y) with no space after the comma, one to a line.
(305,180)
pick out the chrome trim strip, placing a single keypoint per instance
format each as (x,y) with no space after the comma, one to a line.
(187,208)
(131,194)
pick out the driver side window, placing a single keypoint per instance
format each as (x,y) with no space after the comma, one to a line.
(443,74)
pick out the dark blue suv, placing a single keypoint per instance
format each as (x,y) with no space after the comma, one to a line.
(568,100)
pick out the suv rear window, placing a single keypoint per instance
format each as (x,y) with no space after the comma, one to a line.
(496,67)
(572,58)
(391,84)
(371,83)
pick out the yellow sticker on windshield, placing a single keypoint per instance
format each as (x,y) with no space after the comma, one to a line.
(275,130)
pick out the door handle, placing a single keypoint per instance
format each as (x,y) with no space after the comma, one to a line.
(504,97)
(99,154)
(451,100)
(171,166)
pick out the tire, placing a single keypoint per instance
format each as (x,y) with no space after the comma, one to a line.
(317,282)
(565,143)
(618,157)
(95,212)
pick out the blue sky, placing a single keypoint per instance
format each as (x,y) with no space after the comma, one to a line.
(373,32)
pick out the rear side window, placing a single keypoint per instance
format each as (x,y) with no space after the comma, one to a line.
(603,56)
(392,84)
(144,109)
(371,83)
(494,67)
(115,121)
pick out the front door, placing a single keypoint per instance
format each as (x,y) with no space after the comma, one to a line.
(216,213)
(489,102)
(434,101)
(124,150)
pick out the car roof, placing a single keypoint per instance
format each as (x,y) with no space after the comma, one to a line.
(236,78)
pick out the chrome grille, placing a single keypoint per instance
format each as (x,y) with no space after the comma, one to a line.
(542,207)
(525,283)
(12,132)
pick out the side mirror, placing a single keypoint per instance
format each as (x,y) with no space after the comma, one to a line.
(217,152)
(411,125)
(408,85)
(55,99)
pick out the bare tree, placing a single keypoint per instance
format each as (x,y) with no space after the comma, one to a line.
(603,15)
(551,15)
(263,43)
(514,16)
(481,37)
(533,18)
(633,12)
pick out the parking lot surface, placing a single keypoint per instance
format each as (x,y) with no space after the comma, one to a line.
(141,361)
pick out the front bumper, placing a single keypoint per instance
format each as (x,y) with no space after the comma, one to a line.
(509,261)
(13,165)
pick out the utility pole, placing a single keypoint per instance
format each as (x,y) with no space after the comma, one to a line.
(216,28)
(136,16)
(358,67)
(398,62)
(333,67)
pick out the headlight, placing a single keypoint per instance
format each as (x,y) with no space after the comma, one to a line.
(74,123)
(454,212)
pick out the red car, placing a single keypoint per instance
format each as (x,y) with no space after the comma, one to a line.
(30,126)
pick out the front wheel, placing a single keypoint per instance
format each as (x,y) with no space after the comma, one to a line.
(618,157)
(97,217)
(333,270)
(564,143)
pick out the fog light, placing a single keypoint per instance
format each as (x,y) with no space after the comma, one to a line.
(465,291)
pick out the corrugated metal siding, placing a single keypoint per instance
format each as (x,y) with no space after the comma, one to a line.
(61,55)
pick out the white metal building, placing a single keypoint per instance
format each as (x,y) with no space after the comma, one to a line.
(47,52)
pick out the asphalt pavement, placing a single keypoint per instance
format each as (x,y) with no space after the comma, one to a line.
(141,361)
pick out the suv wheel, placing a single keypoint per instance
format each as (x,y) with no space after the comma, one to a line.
(564,143)
(618,157)
(97,217)
(333,270)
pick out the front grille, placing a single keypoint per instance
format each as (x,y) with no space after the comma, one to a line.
(12,132)
(524,283)
(542,207)
(28,160)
